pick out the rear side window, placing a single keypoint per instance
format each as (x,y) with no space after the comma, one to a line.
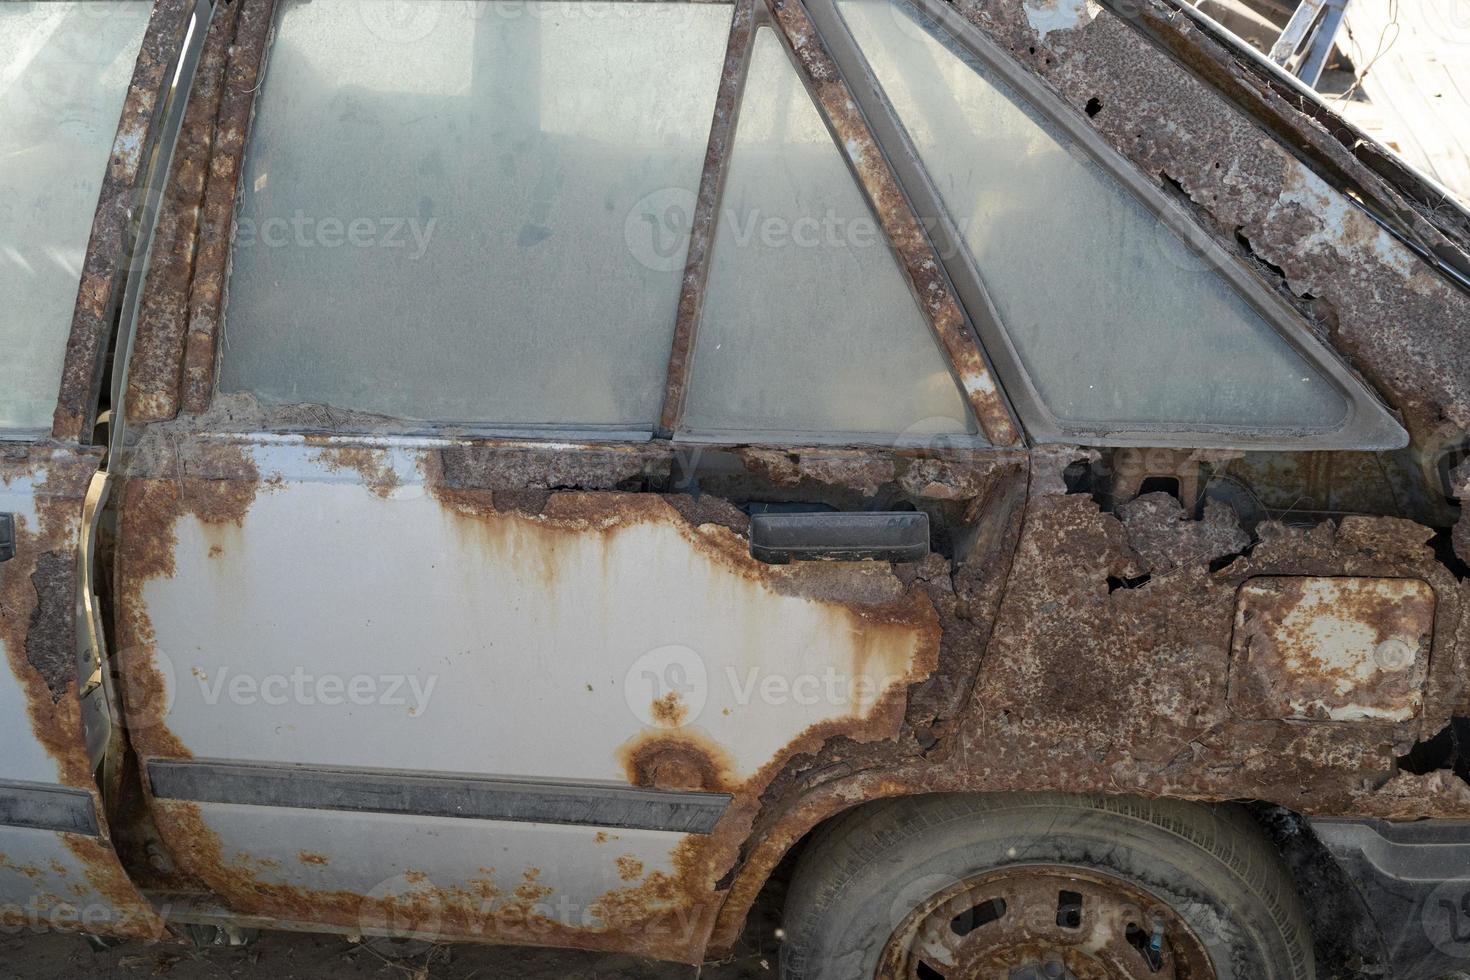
(439,208)
(64,74)
(809,327)
(1113,318)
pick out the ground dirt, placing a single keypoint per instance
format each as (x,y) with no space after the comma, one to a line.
(301,956)
(294,956)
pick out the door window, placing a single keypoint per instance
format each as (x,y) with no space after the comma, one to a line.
(808,326)
(1113,317)
(64,73)
(441,211)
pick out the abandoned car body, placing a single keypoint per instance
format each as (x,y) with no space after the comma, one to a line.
(453,398)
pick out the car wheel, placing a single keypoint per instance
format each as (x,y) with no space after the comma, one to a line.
(1043,887)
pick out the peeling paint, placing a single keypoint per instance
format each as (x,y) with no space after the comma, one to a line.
(113,227)
(38,640)
(1046,16)
(1335,649)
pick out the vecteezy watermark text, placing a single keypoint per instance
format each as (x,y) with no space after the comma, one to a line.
(302,230)
(308,690)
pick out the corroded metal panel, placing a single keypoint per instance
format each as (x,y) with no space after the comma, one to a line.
(1331,649)
(390,604)
(435,877)
(575,612)
(47,877)
(114,224)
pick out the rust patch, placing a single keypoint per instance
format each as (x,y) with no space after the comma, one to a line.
(37,622)
(1125,690)
(374,466)
(629,868)
(683,761)
(1338,649)
(863,472)
(318,860)
(156,367)
(111,240)
(214,482)
(49,649)
(211,263)
(665,916)
(1163,540)
(916,256)
(669,710)
(492,467)
(37,606)
(1460,536)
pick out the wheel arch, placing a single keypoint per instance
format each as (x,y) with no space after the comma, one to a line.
(794,824)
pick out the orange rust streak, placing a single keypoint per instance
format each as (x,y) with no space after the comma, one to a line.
(56,719)
(666,916)
(218,485)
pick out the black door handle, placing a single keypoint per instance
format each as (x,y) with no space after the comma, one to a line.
(870,536)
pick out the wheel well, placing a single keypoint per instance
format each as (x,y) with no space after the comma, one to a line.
(1347,944)
(1346,939)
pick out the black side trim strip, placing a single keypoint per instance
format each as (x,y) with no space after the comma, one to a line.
(42,807)
(464,797)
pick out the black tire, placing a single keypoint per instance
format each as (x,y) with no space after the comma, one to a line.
(862,874)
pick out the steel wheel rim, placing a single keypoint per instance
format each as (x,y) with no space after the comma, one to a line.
(1044,922)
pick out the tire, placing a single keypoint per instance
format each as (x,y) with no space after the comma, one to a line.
(865,872)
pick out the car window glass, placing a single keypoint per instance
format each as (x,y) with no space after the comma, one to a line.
(471,212)
(64,74)
(809,325)
(1113,317)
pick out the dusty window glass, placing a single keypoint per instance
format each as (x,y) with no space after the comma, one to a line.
(471,212)
(64,73)
(808,325)
(1114,318)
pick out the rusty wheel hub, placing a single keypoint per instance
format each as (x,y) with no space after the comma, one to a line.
(1044,922)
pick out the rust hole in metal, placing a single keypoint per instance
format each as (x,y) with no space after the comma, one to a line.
(1448,750)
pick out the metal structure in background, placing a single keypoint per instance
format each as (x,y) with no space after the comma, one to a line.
(1306,43)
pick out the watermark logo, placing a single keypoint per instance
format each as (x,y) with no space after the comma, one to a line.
(673,686)
(657,229)
(1446,916)
(400,21)
(402,906)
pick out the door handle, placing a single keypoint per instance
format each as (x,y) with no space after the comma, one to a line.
(824,536)
(7,537)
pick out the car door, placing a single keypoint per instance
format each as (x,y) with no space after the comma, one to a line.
(462,587)
(82,109)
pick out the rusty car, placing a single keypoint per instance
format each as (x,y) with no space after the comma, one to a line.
(552,472)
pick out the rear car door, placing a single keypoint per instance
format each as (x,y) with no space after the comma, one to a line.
(72,177)
(527,345)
